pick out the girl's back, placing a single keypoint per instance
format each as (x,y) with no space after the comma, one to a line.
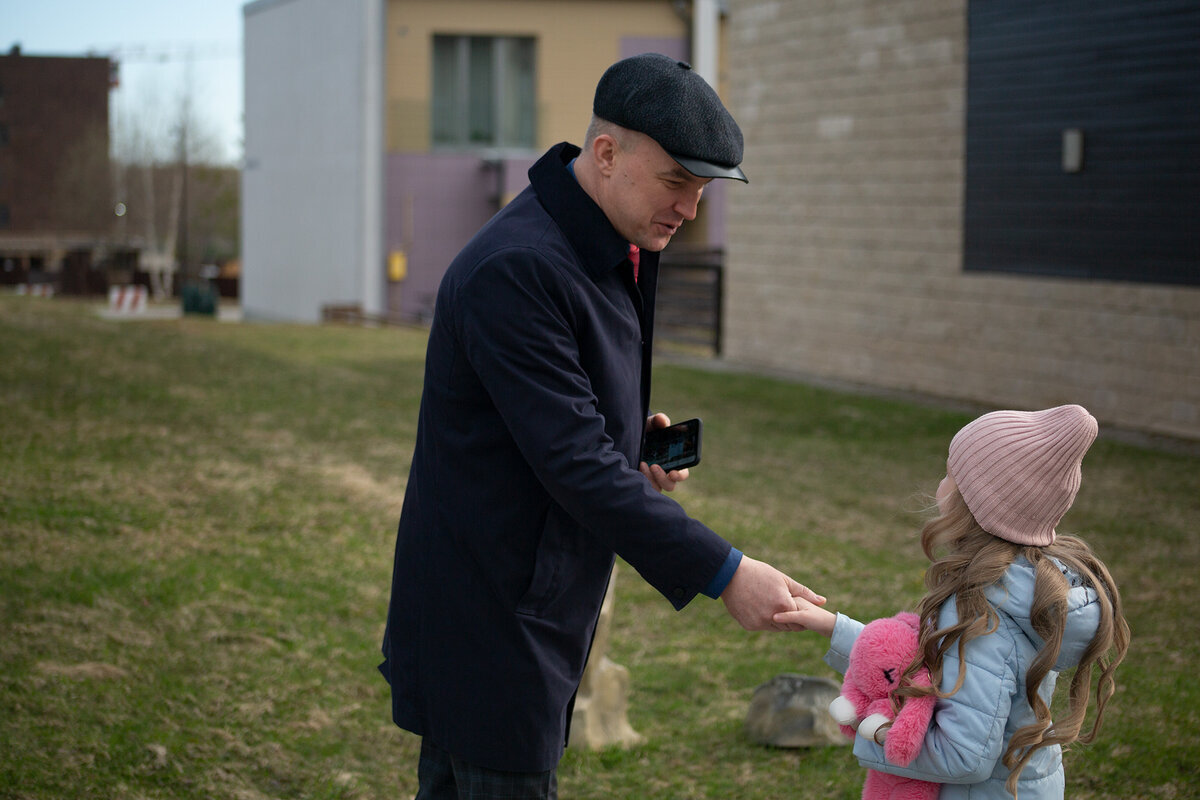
(1010,605)
(980,719)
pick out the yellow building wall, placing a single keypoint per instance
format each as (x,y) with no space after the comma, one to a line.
(576,41)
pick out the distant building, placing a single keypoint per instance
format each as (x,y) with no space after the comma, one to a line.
(380,134)
(56,206)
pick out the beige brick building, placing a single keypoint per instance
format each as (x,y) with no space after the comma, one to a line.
(845,254)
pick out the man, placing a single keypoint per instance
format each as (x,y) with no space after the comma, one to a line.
(523,484)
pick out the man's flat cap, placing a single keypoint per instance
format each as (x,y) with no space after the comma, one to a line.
(669,102)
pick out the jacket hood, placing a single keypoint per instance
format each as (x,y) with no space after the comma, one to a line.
(1013,595)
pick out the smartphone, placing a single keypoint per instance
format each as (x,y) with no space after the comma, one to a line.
(673,447)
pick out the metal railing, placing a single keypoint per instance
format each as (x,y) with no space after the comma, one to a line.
(687,316)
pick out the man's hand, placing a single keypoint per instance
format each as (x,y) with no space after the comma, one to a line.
(758,591)
(659,478)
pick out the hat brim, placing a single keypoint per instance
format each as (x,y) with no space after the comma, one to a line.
(707,169)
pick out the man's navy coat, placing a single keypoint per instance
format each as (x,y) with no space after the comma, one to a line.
(524,480)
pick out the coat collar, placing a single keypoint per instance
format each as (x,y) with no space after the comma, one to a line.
(585,225)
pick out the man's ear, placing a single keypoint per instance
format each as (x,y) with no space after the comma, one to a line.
(604,153)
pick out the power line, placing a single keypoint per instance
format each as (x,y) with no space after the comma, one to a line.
(183,51)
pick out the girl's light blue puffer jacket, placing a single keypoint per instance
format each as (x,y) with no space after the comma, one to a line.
(970,730)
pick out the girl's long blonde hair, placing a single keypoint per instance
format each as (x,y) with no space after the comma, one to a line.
(966,561)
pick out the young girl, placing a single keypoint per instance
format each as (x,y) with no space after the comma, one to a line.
(1009,606)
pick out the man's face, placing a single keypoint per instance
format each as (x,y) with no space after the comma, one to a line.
(651,194)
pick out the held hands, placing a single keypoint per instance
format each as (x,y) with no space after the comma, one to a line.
(659,478)
(761,598)
(807,617)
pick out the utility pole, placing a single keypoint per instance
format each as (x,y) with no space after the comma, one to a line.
(196,296)
(184,271)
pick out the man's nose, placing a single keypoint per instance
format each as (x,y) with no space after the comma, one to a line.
(688,204)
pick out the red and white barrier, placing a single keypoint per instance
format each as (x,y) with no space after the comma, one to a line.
(127,299)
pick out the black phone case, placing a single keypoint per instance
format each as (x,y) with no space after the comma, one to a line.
(674,447)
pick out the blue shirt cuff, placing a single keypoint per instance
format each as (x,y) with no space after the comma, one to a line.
(724,575)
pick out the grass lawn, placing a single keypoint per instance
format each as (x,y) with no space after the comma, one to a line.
(197,523)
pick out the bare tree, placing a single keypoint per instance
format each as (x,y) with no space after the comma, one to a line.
(155,160)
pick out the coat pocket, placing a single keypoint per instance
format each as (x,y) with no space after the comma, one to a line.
(555,563)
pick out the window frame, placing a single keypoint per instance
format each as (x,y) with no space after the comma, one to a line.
(454,108)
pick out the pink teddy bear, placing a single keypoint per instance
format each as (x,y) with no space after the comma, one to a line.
(879,657)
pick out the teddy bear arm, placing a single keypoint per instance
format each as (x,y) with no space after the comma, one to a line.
(908,730)
(856,696)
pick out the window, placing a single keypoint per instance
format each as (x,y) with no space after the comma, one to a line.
(483,91)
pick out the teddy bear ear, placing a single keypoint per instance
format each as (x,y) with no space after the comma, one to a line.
(910,619)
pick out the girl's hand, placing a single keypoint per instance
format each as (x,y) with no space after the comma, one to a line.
(808,616)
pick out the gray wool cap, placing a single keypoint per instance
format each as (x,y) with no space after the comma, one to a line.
(669,102)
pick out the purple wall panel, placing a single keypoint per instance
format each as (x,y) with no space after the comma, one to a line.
(714,205)
(435,204)
(516,174)
(675,47)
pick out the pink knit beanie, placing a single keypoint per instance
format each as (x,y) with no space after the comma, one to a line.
(1018,471)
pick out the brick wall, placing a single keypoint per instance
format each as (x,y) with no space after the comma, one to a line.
(845,250)
(54,170)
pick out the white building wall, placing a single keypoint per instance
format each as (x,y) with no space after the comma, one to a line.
(312,181)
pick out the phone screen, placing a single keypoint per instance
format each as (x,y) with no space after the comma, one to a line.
(674,447)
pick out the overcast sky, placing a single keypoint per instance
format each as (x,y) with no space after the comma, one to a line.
(164,47)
